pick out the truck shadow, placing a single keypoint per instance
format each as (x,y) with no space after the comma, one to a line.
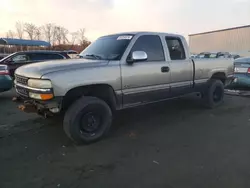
(156,114)
(50,135)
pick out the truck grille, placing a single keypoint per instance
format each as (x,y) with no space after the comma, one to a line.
(21,80)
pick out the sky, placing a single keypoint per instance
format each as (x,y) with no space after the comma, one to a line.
(101,17)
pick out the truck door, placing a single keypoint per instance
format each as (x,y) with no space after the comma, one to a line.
(181,67)
(146,81)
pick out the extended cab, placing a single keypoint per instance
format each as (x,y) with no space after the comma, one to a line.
(116,72)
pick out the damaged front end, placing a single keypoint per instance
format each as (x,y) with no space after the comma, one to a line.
(44,108)
(36,96)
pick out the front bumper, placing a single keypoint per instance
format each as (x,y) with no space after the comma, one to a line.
(240,86)
(233,92)
(241,81)
(6,83)
(24,90)
(46,108)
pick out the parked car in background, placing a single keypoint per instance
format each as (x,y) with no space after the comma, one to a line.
(19,59)
(234,56)
(241,74)
(214,55)
(223,55)
(207,55)
(117,72)
(72,53)
(193,55)
(3,56)
(6,82)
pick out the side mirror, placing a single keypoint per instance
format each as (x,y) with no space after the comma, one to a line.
(138,56)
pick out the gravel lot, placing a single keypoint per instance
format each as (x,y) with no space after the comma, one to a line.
(176,144)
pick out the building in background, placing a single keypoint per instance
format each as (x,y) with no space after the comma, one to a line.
(234,40)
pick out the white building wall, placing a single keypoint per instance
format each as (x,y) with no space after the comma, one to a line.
(235,40)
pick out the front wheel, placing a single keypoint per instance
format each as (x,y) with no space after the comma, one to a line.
(87,120)
(214,94)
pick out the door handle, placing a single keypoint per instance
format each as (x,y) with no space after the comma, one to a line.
(165,69)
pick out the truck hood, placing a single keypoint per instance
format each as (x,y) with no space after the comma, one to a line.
(37,70)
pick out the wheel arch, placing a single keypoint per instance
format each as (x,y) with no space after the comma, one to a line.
(219,76)
(102,91)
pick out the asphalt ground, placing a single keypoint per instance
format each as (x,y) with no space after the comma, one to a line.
(175,144)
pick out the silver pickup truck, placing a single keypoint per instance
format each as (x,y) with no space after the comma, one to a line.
(116,72)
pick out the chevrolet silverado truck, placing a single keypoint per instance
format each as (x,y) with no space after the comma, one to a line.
(116,72)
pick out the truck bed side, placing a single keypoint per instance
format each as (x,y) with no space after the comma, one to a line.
(206,68)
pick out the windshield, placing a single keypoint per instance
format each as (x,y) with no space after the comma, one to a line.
(107,48)
(2,60)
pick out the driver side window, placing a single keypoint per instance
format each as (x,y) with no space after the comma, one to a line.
(151,44)
(22,58)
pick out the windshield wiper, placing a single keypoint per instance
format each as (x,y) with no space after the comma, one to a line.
(93,55)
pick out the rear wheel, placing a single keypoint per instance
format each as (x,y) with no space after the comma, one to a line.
(87,120)
(214,94)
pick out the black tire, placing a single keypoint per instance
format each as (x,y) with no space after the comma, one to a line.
(214,94)
(85,114)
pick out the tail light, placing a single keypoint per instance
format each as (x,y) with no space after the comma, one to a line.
(248,70)
(4,70)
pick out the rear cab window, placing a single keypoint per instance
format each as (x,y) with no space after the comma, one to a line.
(72,52)
(66,55)
(175,48)
(44,56)
(37,56)
(54,56)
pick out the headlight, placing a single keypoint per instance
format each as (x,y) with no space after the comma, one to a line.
(43,84)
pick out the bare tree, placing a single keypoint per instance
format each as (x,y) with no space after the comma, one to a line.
(54,35)
(48,30)
(64,33)
(38,33)
(74,37)
(81,36)
(30,29)
(19,29)
(61,35)
(10,34)
(57,35)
